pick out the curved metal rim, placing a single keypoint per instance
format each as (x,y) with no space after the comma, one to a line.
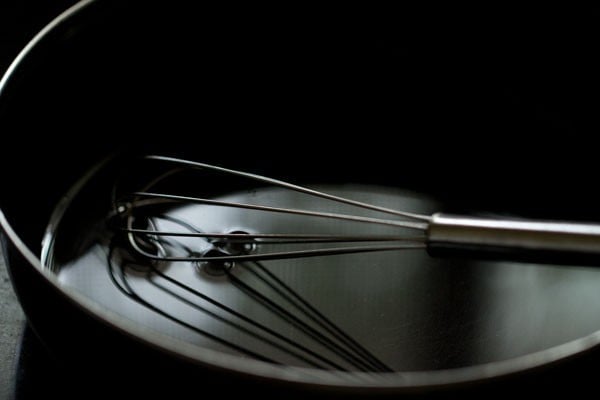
(397,381)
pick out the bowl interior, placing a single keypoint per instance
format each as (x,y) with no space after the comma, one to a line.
(329,100)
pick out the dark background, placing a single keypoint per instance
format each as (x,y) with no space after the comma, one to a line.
(20,20)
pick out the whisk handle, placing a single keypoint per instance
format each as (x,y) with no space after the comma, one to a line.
(545,241)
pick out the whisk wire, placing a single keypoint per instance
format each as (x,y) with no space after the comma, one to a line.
(352,218)
(290,186)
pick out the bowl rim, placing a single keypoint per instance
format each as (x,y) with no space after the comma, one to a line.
(393,381)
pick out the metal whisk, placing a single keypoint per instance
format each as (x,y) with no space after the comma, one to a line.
(510,238)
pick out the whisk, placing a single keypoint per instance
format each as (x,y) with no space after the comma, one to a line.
(235,218)
(547,240)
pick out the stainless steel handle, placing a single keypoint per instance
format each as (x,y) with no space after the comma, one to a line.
(520,236)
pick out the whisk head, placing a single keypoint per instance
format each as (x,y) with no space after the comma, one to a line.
(265,210)
(183,227)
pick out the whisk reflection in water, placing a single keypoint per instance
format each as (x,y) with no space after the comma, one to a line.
(304,317)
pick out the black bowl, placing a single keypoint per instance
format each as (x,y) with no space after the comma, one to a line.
(477,121)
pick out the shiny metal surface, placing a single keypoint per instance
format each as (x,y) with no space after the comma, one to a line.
(482,233)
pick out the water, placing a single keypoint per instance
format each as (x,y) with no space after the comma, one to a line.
(399,310)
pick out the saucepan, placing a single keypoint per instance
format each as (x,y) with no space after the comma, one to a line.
(401,106)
